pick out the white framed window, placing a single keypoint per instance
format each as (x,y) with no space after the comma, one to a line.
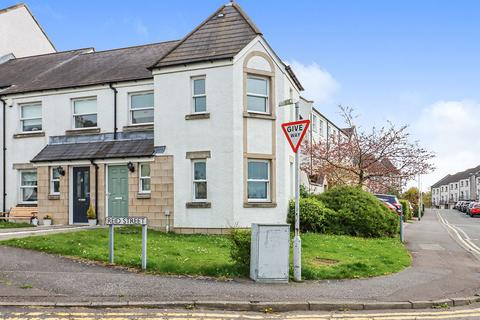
(84,113)
(31,117)
(258,180)
(258,94)
(141,107)
(199,179)
(199,95)
(144,178)
(314,123)
(320,127)
(28,186)
(54,181)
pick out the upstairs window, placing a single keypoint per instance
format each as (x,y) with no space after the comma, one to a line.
(145,178)
(85,113)
(314,123)
(31,117)
(199,180)
(28,186)
(141,108)
(257,94)
(199,95)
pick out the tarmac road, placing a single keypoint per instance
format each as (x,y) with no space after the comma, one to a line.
(471,312)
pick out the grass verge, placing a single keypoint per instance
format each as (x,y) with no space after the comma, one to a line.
(7,224)
(324,256)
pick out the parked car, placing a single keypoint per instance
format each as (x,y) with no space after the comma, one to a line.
(475,209)
(464,207)
(470,206)
(392,200)
(457,205)
(388,205)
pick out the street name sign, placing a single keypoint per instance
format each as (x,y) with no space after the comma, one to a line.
(127,221)
(295,132)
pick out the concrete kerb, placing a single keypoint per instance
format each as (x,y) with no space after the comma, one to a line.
(254,305)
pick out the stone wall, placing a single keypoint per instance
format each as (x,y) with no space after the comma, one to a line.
(54,205)
(159,200)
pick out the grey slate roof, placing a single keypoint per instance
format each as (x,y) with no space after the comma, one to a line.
(456,177)
(79,68)
(220,36)
(96,150)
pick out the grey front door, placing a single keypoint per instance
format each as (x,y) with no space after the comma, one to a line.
(81,194)
(118,191)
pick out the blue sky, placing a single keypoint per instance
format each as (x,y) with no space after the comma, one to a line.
(409,61)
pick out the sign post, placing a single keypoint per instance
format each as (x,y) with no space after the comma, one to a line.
(295,132)
(127,221)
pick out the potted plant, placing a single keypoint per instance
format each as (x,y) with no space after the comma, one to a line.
(92,217)
(34,220)
(47,220)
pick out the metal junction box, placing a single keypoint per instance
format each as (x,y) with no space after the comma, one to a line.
(269,255)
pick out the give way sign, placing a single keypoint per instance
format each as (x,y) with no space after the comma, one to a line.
(295,132)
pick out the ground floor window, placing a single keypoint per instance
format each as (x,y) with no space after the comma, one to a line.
(145,178)
(28,186)
(199,180)
(258,183)
(54,181)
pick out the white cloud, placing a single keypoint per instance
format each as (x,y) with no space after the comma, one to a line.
(319,84)
(450,128)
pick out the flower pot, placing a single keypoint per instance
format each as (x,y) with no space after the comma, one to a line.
(34,221)
(47,222)
(92,222)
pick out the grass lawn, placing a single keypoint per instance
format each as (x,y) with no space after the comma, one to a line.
(324,256)
(7,224)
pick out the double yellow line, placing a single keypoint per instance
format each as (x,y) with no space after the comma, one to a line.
(426,315)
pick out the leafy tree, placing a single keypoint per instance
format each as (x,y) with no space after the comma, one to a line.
(379,159)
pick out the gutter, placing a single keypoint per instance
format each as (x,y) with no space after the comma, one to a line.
(96,186)
(4,157)
(115,92)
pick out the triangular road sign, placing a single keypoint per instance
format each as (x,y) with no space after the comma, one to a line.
(295,132)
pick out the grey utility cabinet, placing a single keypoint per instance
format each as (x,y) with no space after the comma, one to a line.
(270,250)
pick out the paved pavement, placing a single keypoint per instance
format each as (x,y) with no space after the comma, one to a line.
(441,268)
(12,233)
(472,312)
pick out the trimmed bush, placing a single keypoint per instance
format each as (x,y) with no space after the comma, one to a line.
(407,213)
(313,214)
(357,213)
(240,249)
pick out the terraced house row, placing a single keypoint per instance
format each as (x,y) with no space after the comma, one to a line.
(185,132)
(464,185)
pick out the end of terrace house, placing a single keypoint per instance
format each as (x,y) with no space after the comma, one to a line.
(185,132)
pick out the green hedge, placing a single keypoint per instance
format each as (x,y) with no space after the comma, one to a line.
(407,213)
(313,215)
(357,213)
(240,249)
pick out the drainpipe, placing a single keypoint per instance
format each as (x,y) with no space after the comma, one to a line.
(4,157)
(96,186)
(115,92)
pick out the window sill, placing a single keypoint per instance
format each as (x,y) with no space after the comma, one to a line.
(198,205)
(259,205)
(254,115)
(22,135)
(27,205)
(75,132)
(53,197)
(143,195)
(197,116)
(138,127)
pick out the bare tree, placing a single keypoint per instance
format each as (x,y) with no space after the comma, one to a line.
(378,159)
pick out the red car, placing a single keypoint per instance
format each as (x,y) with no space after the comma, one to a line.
(475,210)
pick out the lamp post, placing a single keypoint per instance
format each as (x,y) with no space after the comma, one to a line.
(297,241)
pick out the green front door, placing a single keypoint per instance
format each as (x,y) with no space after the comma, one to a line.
(117,191)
